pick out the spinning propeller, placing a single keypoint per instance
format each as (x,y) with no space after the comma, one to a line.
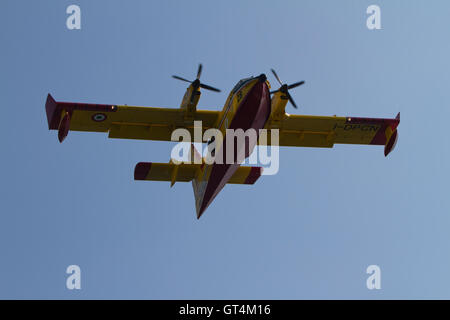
(284,88)
(196,83)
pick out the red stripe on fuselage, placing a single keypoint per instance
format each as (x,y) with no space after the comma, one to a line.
(253,113)
(255,173)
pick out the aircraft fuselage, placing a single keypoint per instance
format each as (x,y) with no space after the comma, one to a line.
(248,107)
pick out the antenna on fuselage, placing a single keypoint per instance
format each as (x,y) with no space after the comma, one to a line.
(285,88)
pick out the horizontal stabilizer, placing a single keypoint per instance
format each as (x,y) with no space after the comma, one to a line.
(152,171)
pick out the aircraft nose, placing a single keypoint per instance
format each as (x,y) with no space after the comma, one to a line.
(262,77)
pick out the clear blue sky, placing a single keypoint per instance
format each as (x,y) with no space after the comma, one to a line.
(308,232)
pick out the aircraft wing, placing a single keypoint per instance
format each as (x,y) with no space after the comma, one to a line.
(121,121)
(320,131)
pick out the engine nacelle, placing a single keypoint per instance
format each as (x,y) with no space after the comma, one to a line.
(278,106)
(190,99)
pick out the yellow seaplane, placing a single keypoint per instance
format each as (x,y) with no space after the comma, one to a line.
(250,106)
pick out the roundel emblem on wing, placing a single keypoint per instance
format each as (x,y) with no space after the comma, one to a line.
(99,117)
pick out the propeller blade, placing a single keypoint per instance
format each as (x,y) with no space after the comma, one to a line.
(196,83)
(180,78)
(295,85)
(199,71)
(276,76)
(285,88)
(291,101)
(205,86)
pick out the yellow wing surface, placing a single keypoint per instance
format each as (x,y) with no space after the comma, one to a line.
(122,121)
(321,131)
(128,122)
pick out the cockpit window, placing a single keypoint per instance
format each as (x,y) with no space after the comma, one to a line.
(241,83)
